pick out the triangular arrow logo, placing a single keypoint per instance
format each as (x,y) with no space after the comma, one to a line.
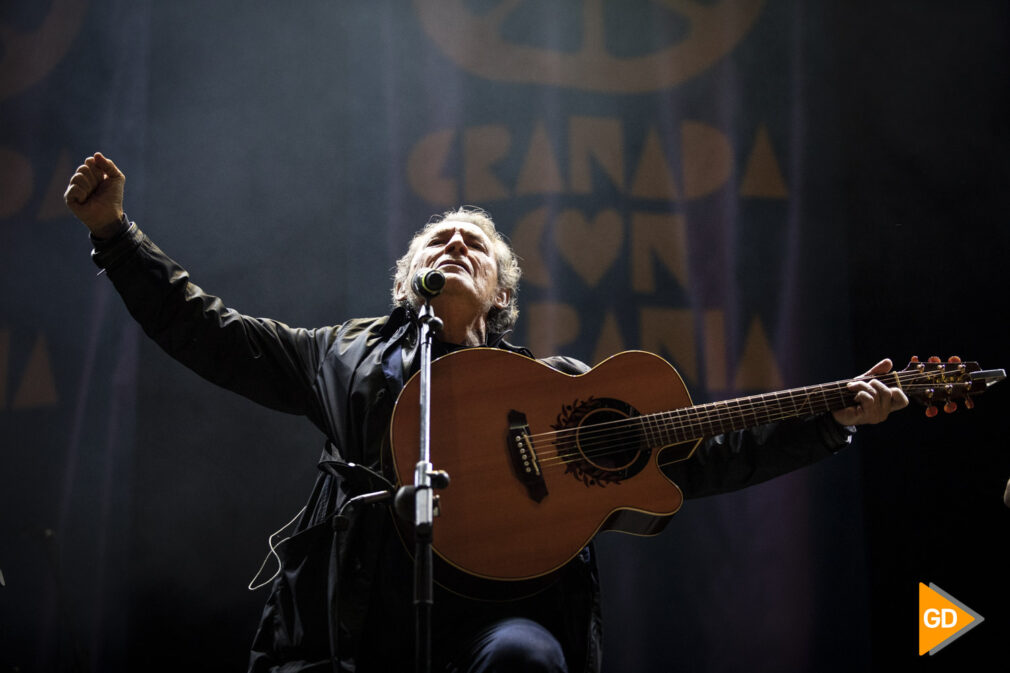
(942,619)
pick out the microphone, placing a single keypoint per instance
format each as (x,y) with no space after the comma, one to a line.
(428,283)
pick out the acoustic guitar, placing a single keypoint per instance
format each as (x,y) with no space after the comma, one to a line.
(541,461)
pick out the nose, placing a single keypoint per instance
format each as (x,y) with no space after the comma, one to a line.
(456,243)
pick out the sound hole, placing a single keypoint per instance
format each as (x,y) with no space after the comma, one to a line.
(598,445)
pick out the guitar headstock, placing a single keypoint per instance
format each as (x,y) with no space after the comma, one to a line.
(936,382)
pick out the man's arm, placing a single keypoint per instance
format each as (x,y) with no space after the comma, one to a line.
(261,359)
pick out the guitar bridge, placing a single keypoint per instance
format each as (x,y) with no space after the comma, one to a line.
(524,458)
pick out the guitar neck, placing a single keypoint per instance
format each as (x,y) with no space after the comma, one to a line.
(716,418)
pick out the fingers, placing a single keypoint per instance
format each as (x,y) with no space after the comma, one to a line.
(874,401)
(105,164)
(83,182)
(868,402)
(881,367)
(95,195)
(895,395)
(89,176)
(899,400)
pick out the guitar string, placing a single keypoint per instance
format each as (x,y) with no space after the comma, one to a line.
(605,448)
(592,451)
(590,444)
(729,408)
(772,407)
(747,402)
(721,410)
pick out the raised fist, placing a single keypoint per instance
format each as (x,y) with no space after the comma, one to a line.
(95,196)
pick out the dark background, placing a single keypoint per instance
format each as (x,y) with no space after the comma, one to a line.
(266,148)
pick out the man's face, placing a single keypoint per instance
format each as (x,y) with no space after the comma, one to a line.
(465,254)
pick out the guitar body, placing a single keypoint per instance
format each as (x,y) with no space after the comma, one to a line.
(533,478)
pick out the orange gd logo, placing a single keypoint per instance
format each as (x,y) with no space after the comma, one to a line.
(942,619)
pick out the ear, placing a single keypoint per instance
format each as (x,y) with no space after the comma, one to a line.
(501,298)
(398,292)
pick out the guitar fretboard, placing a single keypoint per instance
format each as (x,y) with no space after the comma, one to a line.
(715,418)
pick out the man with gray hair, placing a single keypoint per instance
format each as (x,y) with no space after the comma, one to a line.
(345,379)
(500,320)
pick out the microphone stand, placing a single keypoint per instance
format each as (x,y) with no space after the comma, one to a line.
(425,480)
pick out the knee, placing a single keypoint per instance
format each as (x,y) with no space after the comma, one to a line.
(520,645)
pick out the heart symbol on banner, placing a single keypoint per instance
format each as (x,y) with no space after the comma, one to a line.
(591,248)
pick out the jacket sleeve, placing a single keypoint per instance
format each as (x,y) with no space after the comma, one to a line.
(264,360)
(732,461)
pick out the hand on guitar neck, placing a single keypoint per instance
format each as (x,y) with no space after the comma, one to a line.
(875,400)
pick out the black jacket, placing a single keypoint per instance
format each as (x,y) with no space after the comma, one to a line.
(345,379)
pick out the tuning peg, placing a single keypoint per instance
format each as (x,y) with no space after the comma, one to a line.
(969,403)
(931,411)
(934,359)
(915,358)
(954,360)
(950,407)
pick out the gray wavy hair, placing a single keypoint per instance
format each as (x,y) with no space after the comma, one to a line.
(499,321)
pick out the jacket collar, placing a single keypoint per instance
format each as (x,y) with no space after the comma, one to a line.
(402,316)
(397,319)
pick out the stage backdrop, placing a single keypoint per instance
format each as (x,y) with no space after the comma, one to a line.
(767,193)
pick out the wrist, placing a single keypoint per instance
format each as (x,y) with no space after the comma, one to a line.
(111,229)
(112,252)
